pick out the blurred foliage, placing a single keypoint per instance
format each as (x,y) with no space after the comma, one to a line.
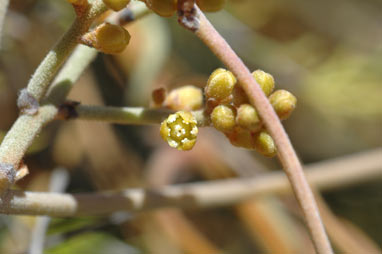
(328,53)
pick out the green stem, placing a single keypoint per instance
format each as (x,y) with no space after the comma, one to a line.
(127,115)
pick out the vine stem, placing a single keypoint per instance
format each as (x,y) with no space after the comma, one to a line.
(324,175)
(196,21)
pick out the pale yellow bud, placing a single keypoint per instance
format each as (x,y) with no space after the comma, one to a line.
(265,80)
(283,103)
(210,5)
(220,85)
(107,38)
(264,144)
(180,130)
(223,118)
(184,98)
(116,5)
(165,8)
(248,118)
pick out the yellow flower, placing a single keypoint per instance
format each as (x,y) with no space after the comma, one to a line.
(180,130)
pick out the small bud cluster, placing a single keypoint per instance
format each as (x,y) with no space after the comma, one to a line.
(107,38)
(167,8)
(229,110)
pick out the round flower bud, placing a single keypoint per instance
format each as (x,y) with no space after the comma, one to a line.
(265,80)
(116,5)
(223,118)
(180,130)
(248,118)
(107,38)
(210,5)
(264,144)
(184,98)
(283,103)
(220,84)
(164,8)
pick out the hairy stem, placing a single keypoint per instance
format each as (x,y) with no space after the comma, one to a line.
(324,175)
(125,115)
(121,115)
(44,74)
(288,157)
(25,129)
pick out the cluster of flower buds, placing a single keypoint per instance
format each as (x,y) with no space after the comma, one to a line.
(229,110)
(167,8)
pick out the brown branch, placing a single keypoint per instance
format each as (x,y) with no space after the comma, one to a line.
(344,171)
(288,157)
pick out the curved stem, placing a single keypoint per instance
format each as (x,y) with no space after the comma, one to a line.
(288,157)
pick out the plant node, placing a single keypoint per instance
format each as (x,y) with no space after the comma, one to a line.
(187,15)
(67,110)
(7,176)
(26,103)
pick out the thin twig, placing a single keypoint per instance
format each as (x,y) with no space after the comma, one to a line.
(27,127)
(197,22)
(121,115)
(343,171)
(44,74)
(3,12)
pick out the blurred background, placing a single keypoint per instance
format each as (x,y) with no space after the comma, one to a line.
(328,53)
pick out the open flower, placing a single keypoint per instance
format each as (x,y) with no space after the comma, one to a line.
(180,130)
